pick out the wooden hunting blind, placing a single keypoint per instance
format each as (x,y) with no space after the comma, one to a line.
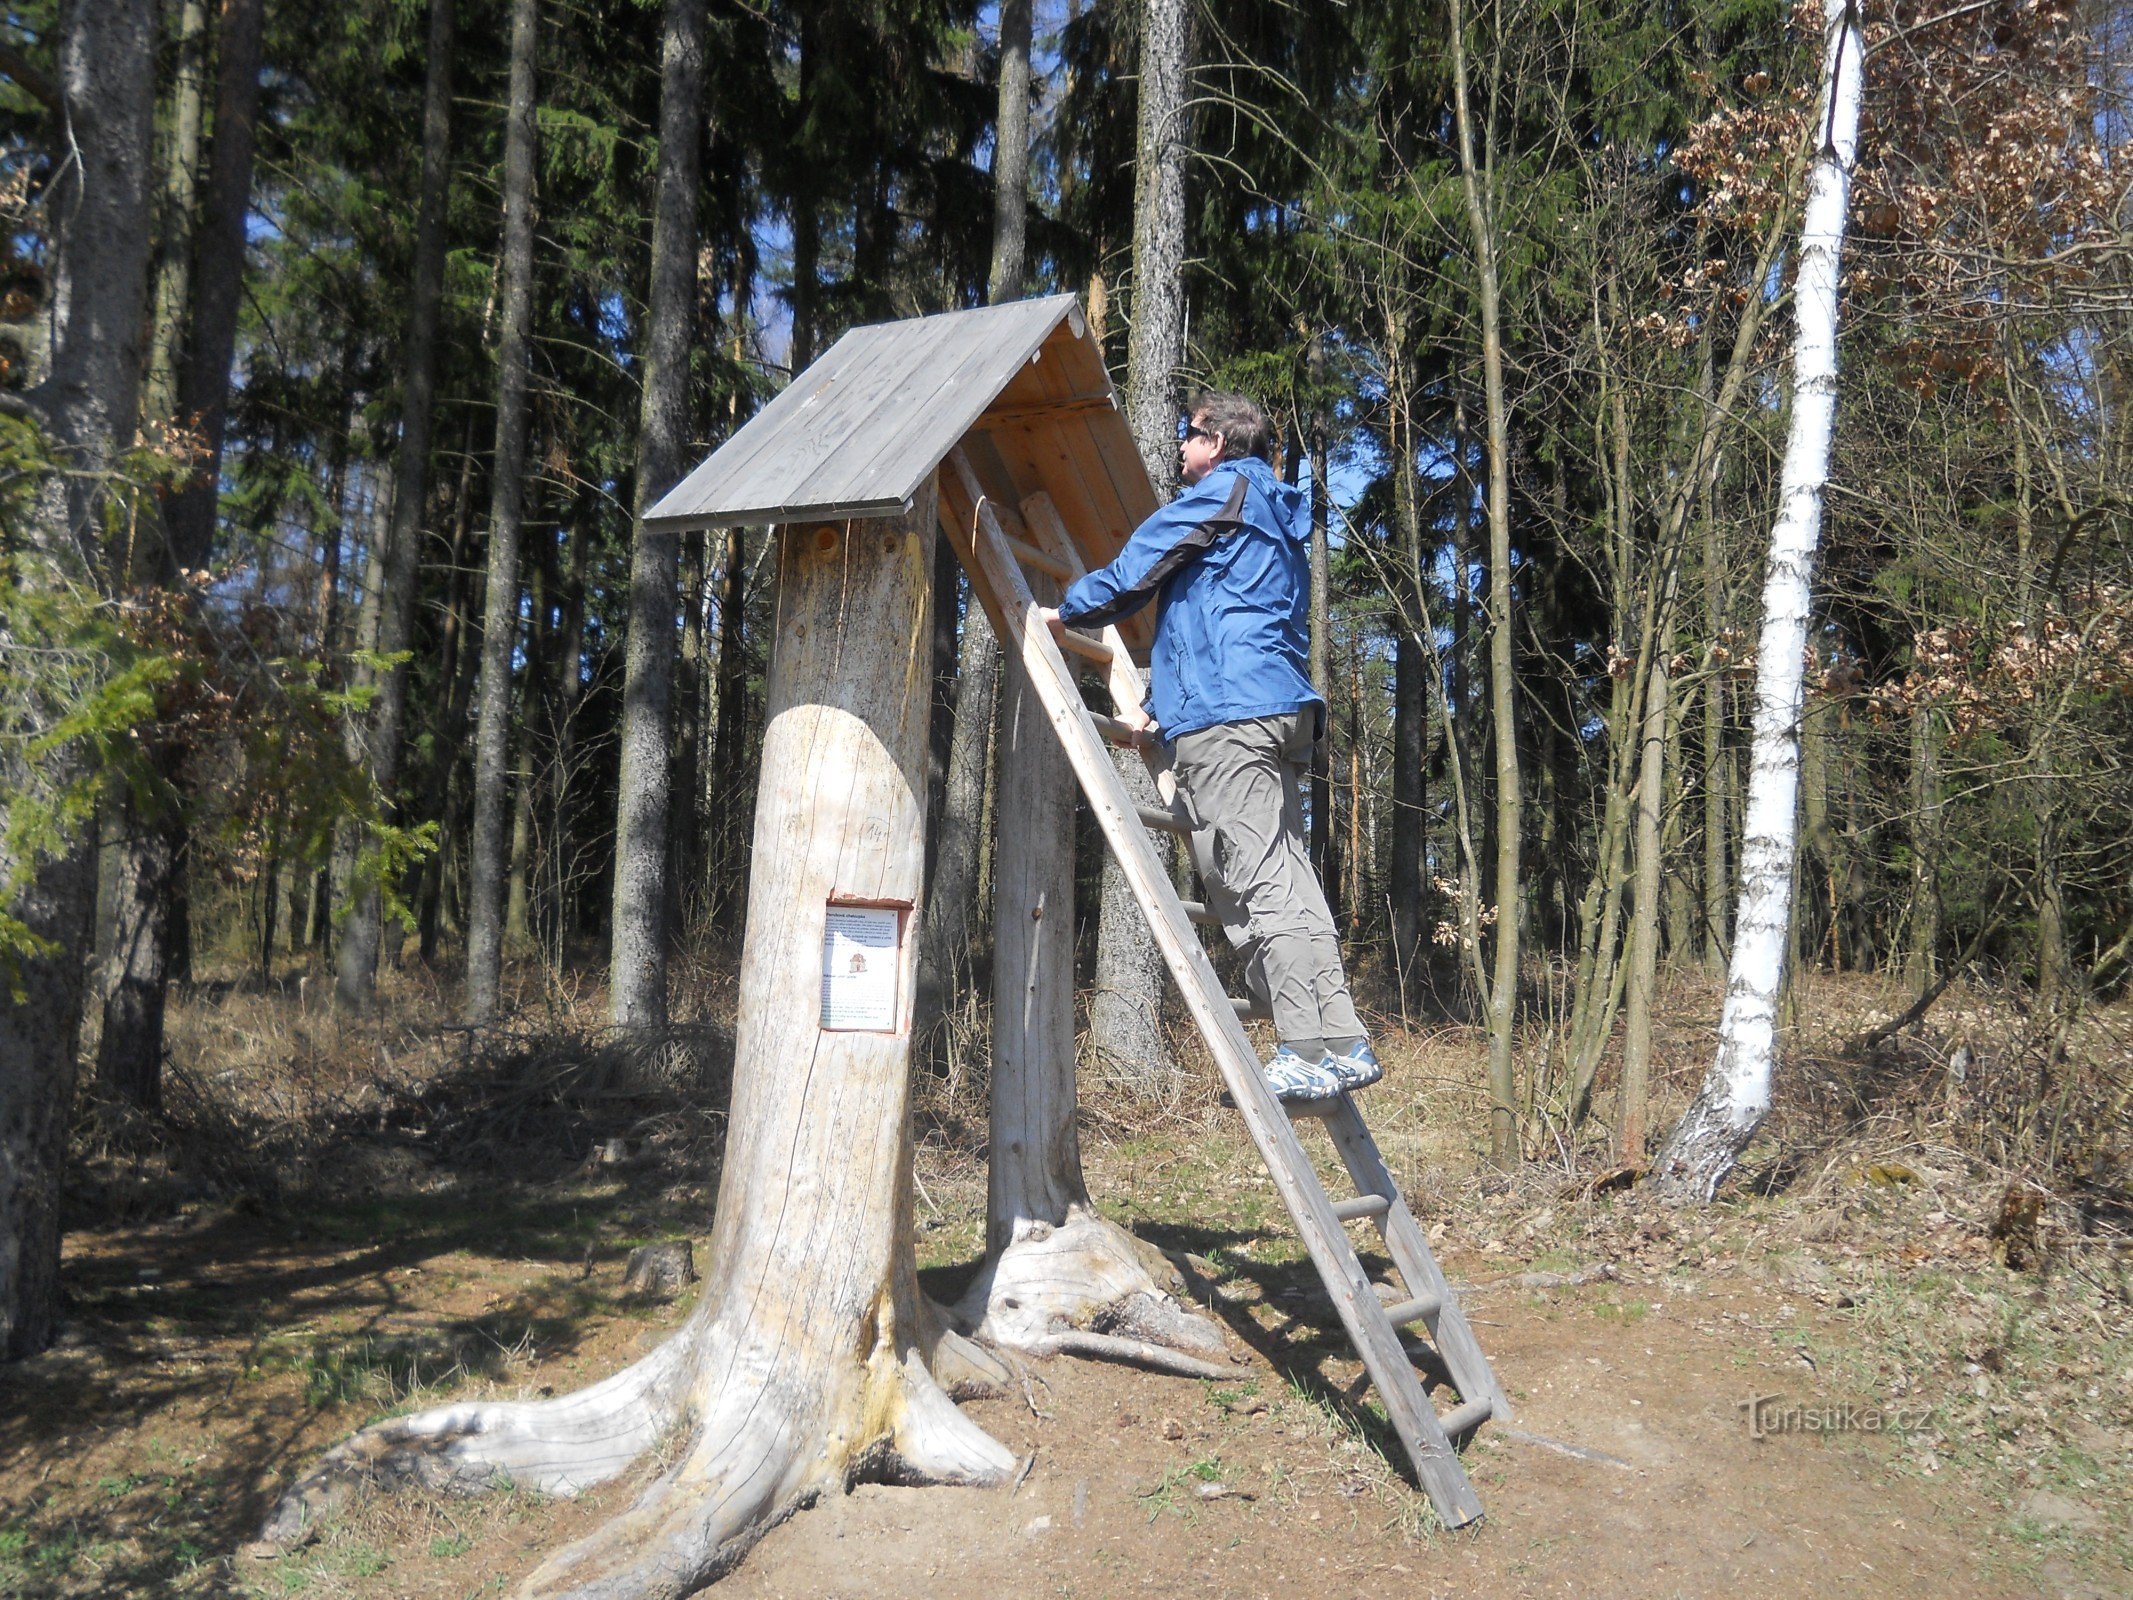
(999,430)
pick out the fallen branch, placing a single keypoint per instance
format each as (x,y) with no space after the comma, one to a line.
(1603,1273)
(1880,1034)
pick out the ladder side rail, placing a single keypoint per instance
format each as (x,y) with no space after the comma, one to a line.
(1409,1248)
(1000,587)
(1042,520)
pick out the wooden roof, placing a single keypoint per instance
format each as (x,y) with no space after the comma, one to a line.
(1022,387)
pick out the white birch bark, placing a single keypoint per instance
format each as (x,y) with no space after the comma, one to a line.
(1735,1097)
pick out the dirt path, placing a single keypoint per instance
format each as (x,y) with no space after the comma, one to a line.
(1688,1504)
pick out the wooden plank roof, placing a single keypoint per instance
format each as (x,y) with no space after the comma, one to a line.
(857,433)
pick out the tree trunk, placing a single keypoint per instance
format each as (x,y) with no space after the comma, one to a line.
(485,941)
(150,865)
(456,663)
(950,930)
(1717,767)
(1125,1011)
(637,972)
(1156,345)
(1412,659)
(1507,818)
(1322,859)
(356,959)
(1644,925)
(729,740)
(1818,840)
(1010,160)
(178,212)
(1052,1263)
(685,808)
(803,1368)
(203,388)
(1705,1145)
(1926,805)
(88,404)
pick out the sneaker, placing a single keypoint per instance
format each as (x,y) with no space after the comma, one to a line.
(1356,1068)
(1291,1077)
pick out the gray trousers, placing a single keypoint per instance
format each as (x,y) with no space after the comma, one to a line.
(1242,785)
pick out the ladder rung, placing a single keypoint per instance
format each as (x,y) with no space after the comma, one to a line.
(1245,1006)
(1363,1205)
(1413,1311)
(1311,1108)
(1466,1418)
(1045,562)
(1156,817)
(1111,728)
(1197,910)
(1088,649)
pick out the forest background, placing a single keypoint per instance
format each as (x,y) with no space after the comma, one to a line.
(343,343)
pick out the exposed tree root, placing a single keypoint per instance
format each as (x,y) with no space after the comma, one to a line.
(764,1449)
(559,1446)
(1090,1288)
(1134,1352)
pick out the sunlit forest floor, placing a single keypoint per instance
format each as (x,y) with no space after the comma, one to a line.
(340,1221)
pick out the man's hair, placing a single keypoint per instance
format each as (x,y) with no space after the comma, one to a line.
(1243,426)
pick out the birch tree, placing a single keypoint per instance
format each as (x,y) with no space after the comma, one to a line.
(1705,1145)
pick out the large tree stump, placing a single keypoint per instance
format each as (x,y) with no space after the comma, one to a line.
(1057,1278)
(805,1367)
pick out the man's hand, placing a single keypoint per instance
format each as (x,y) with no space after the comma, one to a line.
(1146,731)
(1050,616)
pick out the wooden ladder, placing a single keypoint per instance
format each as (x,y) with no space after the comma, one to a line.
(993,556)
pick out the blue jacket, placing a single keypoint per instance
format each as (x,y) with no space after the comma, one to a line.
(1229,564)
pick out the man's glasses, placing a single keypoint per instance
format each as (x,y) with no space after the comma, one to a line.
(1192,430)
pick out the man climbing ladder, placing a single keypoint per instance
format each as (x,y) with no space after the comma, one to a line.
(1228,563)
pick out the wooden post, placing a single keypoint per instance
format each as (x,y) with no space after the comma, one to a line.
(805,1367)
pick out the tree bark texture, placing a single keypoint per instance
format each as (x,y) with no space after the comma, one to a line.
(1321,630)
(1507,816)
(178,211)
(485,920)
(1406,887)
(1705,1145)
(804,1367)
(729,738)
(399,570)
(151,845)
(1126,1004)
(952,930)
(1052,1262)
(1717,763)
(1927,805)
(1155,346)
(1010,156)
(218,279)
(1125,1011)
(1644,924)
(88,404)
(638,959)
